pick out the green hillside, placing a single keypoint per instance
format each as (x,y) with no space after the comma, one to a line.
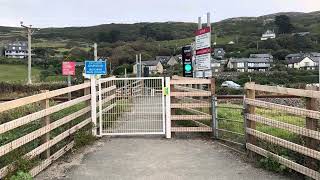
(17,73)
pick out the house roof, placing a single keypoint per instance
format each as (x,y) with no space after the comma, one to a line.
(253,60)
(294,55)
(292,61)
(163,59)
(261,56)
(16,45)
(315,54)
(150,63)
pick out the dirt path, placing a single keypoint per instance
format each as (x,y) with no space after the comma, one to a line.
(155,158)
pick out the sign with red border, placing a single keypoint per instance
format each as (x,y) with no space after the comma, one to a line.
(68,68)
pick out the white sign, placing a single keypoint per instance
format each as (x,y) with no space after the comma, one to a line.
(203,38)
(203,62)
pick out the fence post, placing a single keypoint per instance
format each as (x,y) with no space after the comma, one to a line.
(213,108)
(94,105)
(168,108)
(311,104)
(45,104)
(250,94)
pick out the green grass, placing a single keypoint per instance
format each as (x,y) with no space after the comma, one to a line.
(17,73)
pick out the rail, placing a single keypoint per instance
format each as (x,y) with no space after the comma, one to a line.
(270,124)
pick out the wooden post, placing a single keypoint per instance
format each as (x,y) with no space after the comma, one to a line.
(250,94)
(86,91)
(168,109)
(311,104)
(45,104)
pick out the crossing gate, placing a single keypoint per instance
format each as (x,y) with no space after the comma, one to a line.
(131,106)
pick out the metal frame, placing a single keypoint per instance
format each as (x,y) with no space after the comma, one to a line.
(148,123)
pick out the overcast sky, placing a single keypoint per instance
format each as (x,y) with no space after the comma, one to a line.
(60,13)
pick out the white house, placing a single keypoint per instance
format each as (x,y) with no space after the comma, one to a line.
(307,63)
(268,35)
(154,67)
(16,50)
(250,64)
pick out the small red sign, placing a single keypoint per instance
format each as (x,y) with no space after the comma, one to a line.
(203,51)
(203,31)
(68,68)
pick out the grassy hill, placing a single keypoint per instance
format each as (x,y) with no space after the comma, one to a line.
(122,41)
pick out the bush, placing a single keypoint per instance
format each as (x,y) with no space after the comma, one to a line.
(21,176)
(83,137)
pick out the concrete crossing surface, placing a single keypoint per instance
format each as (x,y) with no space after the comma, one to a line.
(135,158)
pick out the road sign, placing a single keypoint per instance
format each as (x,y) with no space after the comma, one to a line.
(68,68)
(203,38)
(203,58)
(187,61)
(95,67)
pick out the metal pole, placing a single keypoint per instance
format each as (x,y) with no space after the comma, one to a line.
(69,84)
(29,55)
(199,23)
(140,73)
(125,72)
(319,74)
(137,63)
(208,19)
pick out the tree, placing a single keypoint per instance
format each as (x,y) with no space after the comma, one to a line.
(284,24)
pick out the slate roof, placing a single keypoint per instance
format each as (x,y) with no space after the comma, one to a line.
(249,60)
(261,56)
(15,46)
(150,63)
(163,59)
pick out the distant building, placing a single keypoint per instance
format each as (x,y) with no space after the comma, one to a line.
(231,43)
(306,63)
(250,64)
(268,35)
(301,33)
(218,65)
(17,49)
(218,53)
(265,56)
(154,67)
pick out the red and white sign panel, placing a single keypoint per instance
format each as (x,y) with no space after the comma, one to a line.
(203,62)
(68,68)
(203,38)
(203,51)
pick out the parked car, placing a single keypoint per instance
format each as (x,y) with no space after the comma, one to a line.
(231,84)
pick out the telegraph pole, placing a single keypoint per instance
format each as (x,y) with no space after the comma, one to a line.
(30,32)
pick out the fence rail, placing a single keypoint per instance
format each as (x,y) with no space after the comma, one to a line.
(74,118)
(265,119)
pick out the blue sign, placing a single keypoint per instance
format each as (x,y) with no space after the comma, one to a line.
(96,67)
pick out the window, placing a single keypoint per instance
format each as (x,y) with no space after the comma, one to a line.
(240,65)
(306,64)
(13,48)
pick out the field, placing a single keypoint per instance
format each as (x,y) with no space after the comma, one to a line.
(17,73)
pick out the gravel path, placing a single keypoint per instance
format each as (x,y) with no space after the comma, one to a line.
(155,158)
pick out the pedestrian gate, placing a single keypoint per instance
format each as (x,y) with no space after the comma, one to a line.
(131,106)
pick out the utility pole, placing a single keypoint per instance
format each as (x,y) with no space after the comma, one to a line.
(30,32)
(138,66)
(257,45)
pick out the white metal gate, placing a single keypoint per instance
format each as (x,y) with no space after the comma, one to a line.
(131,106)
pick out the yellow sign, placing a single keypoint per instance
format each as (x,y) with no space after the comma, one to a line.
(166,91)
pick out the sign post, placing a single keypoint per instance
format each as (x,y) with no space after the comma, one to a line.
(69,69)
(203,50)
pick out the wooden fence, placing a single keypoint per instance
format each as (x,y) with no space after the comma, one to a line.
(273,129)
(193,98)
(54,136)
